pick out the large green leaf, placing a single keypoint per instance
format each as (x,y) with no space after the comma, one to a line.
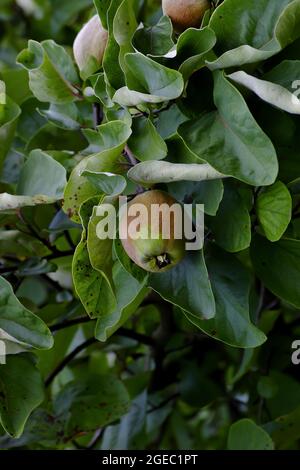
(246,435)
(209,193)
(274,210)
(152,171)
(102,7)
(14,242)
(42,175)
(231,286)
(270,92)
(124,26)
(9,113)
(278,266)
(100,249)
(19,322)
(285,430)
(145,142)
(192,48)
(249,32)
(10,202)
(21,391)
(52,74)
(92,403)
(232,224)
(154,40)
(148,82)
(129,294)
(230,139)
(114,76)
(187,285)
(106,145)
(92,285)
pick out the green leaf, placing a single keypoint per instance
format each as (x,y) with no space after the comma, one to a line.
(246,435)
(100,249)
(278,266)
(102,7)
(113,72)
(148,82)
(274,210)
(285,430)
(42,175)
(13,242)
(9,113)
(19,322)
(21,391)
(208,193)
(64,115)
(129,294)
(169,120)
(91,403)
(124,26)
(230,139)
(145,142)
(192,48)
(106,183)
(154,40)
(92,286)
(267,387)
(17,87)
(270,92)
(285,74)
(10,202)
(231,286)
(232,225)
(133,269)
(242,41)
(187,285)
(153,171)
(52,74)
(123,435)
(106,145)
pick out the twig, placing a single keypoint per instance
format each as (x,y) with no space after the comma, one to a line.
(69,239)
(34,232)
(67,324)
(97,114)
(141,338)
(260,302)
(129,156)
(163,403)
(68,359)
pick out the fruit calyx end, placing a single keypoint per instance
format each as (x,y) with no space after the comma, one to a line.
(163,260)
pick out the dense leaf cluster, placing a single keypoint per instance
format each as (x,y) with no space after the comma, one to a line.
(101,354)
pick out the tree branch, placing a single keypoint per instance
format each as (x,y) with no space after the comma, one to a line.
(68,359)
(68,323)
(141,338)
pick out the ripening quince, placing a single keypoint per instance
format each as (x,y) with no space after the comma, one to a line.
(89,47)
(185,13)
(153,251)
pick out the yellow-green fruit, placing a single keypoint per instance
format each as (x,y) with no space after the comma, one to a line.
(89,47)
(154,252)
(185,13)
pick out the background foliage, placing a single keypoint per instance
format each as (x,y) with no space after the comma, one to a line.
(100,354)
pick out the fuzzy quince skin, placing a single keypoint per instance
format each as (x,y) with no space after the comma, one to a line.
(89,47)
(185,13)
(153,254)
